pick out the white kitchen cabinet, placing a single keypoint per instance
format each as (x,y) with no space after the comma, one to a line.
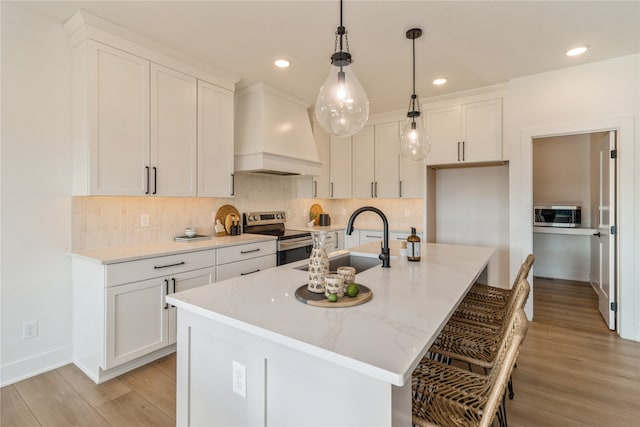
(351,240)
(215,141)
(466,133)
(412,177)
(334,240)
(241,260)
(121,320)
(111,121)
(368,236)
(340,167)
(173,152)
(375,161)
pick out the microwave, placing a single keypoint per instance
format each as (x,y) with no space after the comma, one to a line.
(557,215)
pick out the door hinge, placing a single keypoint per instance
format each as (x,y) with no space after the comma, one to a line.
(614,154)
(614,306)
(614,230)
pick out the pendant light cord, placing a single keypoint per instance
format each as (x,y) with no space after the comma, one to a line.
(341,29)
(414,66)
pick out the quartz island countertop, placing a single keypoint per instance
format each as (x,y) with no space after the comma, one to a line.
(383,338)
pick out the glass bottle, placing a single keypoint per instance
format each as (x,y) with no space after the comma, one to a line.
(318,263)
(413,246)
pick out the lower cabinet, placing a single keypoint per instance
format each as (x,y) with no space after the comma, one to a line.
(242,260)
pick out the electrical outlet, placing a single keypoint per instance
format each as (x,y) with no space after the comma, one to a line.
(30,330)
(239,372)
(407,213)
(144,220)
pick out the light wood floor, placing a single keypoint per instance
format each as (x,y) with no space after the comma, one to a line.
(572,371)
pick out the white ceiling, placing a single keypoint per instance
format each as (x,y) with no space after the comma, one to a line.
(471,43)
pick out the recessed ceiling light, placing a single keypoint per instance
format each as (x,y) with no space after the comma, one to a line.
(282,63)
(439,82)
(576,51)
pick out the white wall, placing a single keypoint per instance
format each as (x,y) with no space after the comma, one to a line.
(472,208)
(588,98)
(36,184)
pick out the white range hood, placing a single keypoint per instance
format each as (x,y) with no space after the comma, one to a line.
(273,133)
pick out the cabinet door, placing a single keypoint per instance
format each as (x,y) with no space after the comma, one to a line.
(182,282)
(363,176)
(136,322)
(387,184)
(321,182)
(412,179)
(340,165)
(118,121)
(173,132)
(368,236)
(482,131)
(443,127)
(215,141)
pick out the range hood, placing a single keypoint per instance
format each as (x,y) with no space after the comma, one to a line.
(273,133)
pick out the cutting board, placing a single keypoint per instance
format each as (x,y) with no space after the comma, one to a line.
(314,212)
(227,211)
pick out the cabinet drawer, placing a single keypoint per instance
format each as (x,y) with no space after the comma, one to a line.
(243,268)
(133,271)
(250,250)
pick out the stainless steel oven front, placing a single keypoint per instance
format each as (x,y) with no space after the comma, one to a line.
(294,249)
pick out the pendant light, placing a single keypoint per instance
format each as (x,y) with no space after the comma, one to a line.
(414,141)
(342,106)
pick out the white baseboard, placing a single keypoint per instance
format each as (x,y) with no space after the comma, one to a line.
(26,368)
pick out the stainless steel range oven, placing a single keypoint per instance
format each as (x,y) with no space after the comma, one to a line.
(292,245)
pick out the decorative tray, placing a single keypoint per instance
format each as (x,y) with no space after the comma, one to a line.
(320,300)
(192,239)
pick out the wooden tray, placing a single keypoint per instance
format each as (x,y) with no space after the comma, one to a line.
(320,300)
(224,211)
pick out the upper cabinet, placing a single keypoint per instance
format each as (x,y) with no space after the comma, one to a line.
(143,122)
(340,167)
(375,161)
(466,133)
(173,133)
(215,141)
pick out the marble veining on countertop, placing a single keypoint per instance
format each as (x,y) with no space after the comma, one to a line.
(384,338)
(131,253)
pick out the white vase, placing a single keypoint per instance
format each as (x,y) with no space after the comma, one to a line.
(318,263)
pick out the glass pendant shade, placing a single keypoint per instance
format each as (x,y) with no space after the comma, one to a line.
(342,106)
(414,141)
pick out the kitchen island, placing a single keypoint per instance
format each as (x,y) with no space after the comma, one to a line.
(294,364)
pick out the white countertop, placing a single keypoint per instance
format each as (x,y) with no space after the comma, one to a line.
(383,338)
(131,253)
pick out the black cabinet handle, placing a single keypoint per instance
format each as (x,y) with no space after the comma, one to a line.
(458,150)
(155,180)
(233,185)
(597,234)
(158,267)
(463,151)
(166,286)
(400,189)
(315,188)
(147,191)
(332,189)
(248,252)
(376,189)
(373,237)
(174,284)
(251,272)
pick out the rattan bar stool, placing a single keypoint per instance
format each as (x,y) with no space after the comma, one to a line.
(495,295)
(444,395)
(488,316)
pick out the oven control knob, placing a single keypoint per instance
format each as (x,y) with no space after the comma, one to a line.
(278,216)
(252,217)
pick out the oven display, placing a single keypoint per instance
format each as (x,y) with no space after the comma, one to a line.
(267,216)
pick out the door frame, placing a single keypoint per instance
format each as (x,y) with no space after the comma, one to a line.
(521,201)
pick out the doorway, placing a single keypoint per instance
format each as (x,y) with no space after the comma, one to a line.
(580,170)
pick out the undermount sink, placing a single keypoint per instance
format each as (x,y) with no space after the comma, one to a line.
(360,263)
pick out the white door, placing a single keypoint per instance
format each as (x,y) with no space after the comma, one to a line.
(136,320)
(173,132)
(215,141)
(605,239)
(363,161)
(340,168)
(182,282)
(387,183)
(119,121)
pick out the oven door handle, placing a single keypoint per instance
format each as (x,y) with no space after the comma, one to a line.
(285,245)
